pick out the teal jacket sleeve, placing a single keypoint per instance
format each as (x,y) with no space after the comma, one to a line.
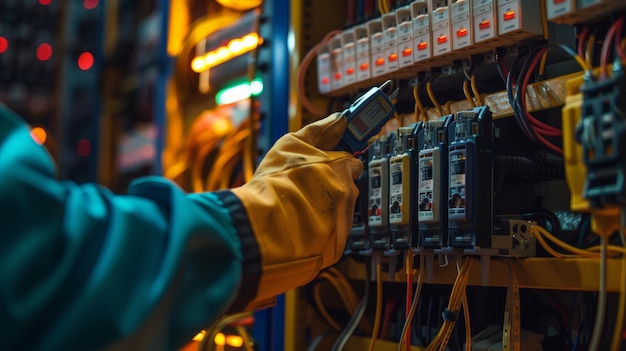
(82,268)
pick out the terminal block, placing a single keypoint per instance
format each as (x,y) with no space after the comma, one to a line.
(470,179)
(512,238)
(602,134)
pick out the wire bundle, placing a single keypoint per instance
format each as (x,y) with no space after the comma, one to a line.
(450,314)
(346,293)
(534,129)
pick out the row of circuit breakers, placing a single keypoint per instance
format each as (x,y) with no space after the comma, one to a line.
(429,33)
(430,185)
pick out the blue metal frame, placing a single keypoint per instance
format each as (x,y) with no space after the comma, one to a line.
(269,325)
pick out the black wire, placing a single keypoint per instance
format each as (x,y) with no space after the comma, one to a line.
(358,314)
(521,122)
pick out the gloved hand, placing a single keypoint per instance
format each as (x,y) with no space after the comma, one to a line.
(300,204)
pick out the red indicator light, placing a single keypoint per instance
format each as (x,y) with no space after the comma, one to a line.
(422,45)
(484,24)
(407,52)
(350,71)
(85,61)
(90,4)
(559,1)
(380,62)
(442,39)
(83,148)
(4,45)
(509,15)
(364,66)
(461,32)
(337,76)
(44,52)
(393,57)
(45,2)
(325,80)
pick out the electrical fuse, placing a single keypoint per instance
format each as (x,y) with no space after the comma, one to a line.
(363,64)
(470,178)
(581,11)
(402,190)
(433,183)
(461,22)
(517,19)
(485,23)
(348,57)
(440,24)
(378,204)
(336,63)
(323,69)
(422,48)
(390,42)
(377,48)
(556,9)
(405,37)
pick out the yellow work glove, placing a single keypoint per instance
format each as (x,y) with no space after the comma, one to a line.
(300,204)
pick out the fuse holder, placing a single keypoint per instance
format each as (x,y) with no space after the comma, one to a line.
(509,15)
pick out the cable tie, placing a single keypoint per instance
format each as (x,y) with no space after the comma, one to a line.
(450,316)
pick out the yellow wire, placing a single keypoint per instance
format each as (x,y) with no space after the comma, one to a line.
(379,307)
(565,246)
(381,7)
(245,336)
(419,108)
(447,107)
(589,51)
(350,300)
(456,298)
(468,95)
(433,99)
(479,100)
(317,297)
(609,248)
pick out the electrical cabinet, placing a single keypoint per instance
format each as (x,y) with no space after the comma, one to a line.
(513,188)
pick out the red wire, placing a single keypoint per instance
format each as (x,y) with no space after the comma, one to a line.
(542,127)
(608,40)
(581,41)
(549,144)
(409,299)
(618,40)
